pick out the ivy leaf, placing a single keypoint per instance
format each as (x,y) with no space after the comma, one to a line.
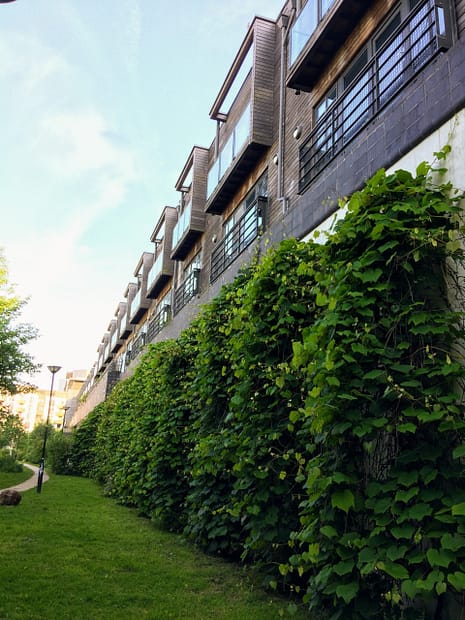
(329,531)
(374,374)
(453,542)
(458,452)
(419,511)
(369,275)
(409,588)
(407,478)
(347,591)
(343,568)
(439,557)
(406,496)
(403,531)
(393,569)
(458,509)
(408,427)
(396,553)
(457,580)
(344,500)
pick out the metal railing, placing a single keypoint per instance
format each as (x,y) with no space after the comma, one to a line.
(138,345)
(394,64)
(238,238)
(188,289)
(158,322)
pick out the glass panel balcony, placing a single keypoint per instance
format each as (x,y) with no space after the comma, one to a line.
(114,340)
(318,32)
(230,151)
(182,224)
(135,303)
(155,271)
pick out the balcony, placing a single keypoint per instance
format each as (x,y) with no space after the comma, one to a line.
(192,183)
(238,238)
(413,44)
(163,267)
(158,322)
(138,345)
(140,304)
(318,32)
(107,353)
(116,340)
(188,289)
(245,130)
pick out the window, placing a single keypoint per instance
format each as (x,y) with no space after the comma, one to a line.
(397,51)
(240,229)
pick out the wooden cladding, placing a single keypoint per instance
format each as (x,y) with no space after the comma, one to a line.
(245,132)
(191,213)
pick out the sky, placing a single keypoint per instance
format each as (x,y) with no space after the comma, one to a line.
(100,106)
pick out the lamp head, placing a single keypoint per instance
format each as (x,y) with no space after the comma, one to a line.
(53,369)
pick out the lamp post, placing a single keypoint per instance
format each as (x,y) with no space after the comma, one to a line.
(53,370)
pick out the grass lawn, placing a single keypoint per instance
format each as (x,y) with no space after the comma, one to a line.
(11,480)
(70,553)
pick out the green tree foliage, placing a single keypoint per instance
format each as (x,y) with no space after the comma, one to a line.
(13,336)
(31,449)
(311,419)
(11,429)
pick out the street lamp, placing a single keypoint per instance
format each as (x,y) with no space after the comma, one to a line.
(53,370)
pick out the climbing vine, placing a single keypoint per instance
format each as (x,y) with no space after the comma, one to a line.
(311,419)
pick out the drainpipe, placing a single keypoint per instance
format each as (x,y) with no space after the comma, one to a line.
(284,23)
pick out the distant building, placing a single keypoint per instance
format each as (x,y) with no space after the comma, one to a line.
(32,407)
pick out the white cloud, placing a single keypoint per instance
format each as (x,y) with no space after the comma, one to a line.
(75,143)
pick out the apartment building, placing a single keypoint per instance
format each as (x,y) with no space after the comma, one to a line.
(314,103)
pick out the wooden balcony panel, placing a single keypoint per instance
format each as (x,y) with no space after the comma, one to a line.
(258,92)
(198,161)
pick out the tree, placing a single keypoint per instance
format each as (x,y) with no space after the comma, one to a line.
(11,429)
(14,361)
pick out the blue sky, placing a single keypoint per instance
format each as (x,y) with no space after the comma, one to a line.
(101,104)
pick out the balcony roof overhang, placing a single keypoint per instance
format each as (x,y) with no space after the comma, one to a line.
(186,243)
(322,45)
(232,179)
(139,312)
(158,284)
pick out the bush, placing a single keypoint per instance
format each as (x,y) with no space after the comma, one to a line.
(8,463)
(59,455)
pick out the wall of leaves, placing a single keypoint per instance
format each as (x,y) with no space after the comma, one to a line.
(311,419)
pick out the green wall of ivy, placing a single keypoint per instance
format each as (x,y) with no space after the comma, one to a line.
(311,419)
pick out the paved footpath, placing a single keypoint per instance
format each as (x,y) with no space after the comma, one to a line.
(31,482)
